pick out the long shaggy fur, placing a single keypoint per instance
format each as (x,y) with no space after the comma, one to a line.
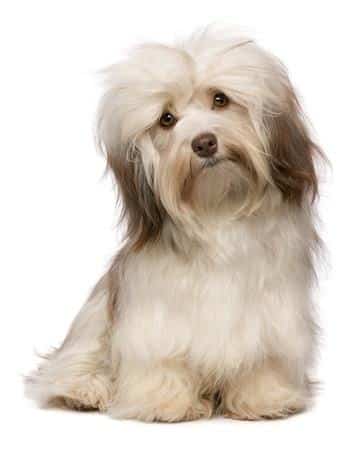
(207,307)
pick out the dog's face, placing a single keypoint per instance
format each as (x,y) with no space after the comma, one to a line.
(213,121)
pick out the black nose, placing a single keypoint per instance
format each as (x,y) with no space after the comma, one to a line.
(205,145)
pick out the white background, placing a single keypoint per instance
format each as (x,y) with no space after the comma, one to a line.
(58,214)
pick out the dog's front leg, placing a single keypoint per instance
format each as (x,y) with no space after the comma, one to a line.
(164,392)
(264,392)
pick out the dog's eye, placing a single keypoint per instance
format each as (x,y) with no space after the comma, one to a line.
(167,120)
(220,100)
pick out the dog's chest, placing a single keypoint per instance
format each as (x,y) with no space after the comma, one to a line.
(207,308)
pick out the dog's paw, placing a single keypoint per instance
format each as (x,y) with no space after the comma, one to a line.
(244,411)
(176,409)
(176,412)
(166,393)
(264,394)
(92,393)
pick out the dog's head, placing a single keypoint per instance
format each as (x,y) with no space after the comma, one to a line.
(213,121)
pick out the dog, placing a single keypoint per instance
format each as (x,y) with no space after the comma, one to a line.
(207,308)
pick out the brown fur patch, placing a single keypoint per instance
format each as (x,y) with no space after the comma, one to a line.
(141,211)
(292,154)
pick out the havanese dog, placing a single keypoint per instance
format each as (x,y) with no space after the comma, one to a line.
(207,308)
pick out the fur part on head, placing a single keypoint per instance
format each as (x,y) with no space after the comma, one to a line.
(262,138)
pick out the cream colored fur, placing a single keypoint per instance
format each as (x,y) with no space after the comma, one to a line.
(215,313)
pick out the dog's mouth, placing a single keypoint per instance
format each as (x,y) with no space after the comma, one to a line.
(210,162)
(201,165)
(214,161)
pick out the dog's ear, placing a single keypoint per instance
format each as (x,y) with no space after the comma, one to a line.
(292,153)
(141,210)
